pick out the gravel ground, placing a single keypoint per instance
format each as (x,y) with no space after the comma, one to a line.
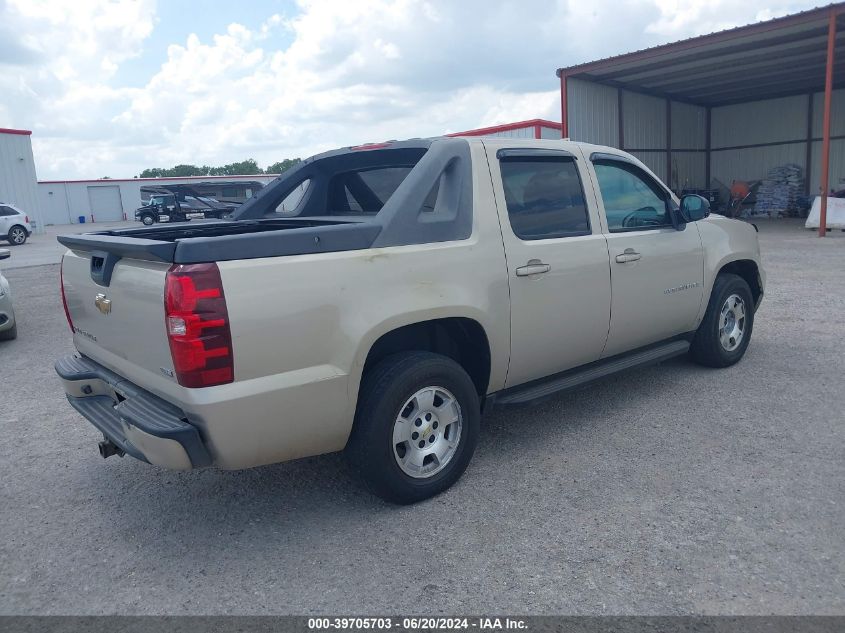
(668,490)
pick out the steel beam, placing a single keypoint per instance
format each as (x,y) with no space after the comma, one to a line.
(828,98)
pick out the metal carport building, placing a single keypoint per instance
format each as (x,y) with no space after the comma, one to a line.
(724,106)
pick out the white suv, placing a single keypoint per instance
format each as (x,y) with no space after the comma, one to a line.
(14,224)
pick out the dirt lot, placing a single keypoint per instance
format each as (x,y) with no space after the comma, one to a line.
(668,490)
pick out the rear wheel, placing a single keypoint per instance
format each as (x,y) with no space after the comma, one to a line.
(725,331)
(16,236)
(416,426)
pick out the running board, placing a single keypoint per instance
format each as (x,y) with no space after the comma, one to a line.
(594,371)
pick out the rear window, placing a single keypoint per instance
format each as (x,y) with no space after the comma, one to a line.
(364,192)
(356,184)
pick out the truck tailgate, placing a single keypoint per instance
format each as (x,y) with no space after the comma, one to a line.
(121,325)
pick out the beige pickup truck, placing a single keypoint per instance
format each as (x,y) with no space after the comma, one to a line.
(378,298)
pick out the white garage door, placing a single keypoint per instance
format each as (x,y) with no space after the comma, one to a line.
(105,203)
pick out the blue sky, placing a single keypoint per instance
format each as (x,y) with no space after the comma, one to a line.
(110,87)
(215,15)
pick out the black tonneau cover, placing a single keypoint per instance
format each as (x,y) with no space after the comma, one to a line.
(224,241)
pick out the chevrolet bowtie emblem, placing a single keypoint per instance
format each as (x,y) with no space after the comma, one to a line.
(103,303)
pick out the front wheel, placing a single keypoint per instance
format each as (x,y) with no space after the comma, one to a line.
(416,426)
(17,236)
(147,219)
(725,331)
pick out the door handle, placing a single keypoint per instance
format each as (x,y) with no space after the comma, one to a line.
(533,267)
(630,255)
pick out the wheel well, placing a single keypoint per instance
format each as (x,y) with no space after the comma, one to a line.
(747,269)
(461,339)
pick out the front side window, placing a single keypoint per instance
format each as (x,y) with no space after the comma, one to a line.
(544,197)
(632,200)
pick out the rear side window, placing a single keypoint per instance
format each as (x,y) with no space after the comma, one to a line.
(6,211)
(544,197)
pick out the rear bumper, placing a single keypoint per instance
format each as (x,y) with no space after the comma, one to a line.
(139,423)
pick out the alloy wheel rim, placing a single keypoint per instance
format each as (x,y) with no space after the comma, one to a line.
(427,432)
(18,236)
(732,320)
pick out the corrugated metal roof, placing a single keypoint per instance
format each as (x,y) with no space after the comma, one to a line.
(759,61)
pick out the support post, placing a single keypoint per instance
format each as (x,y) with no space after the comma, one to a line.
(620,106)
(828,95)
(707,151)
(564,113)
(808,161)
(669,143)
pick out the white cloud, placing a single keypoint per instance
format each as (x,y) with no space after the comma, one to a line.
(336,73)
(62,85)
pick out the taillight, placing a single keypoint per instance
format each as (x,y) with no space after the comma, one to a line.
(26,217)
(62,288)
(197,324)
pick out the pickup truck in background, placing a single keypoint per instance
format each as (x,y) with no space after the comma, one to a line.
(377,298)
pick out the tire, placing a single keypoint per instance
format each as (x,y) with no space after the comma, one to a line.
(17,235)
(400,387)
(714,346)
(148,219)
(9,334)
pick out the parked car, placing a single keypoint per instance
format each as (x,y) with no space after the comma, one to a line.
(8,325)
(411,286)
(14,224)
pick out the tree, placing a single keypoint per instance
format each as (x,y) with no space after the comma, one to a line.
(179,171)
(246,167)
(282,166)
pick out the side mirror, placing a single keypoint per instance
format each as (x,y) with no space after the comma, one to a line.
(694,207)
(4,253)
